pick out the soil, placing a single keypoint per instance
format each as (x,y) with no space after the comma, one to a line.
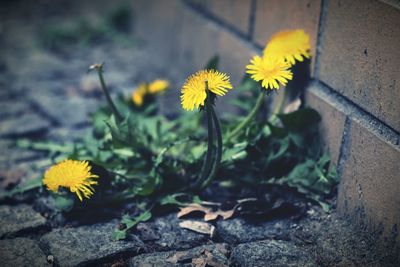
(47,95)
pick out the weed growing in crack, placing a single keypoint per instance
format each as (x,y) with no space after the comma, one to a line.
(140,156)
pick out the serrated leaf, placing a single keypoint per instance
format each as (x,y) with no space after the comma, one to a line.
(300,120)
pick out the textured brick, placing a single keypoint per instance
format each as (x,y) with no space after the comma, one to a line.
(235,55)
(276,15)
(359,56)
(158,24)
(332,124)
(202,39)
(199,41)
(369,190)
(395,3)
(235,13)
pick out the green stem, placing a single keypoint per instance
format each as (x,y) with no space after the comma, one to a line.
(205,169)
(278,107)
(249,118)
(218,157)
(107,94)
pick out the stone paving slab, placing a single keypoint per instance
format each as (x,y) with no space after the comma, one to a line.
(168,235)
(12,108)
(28,124)
(21,218)
(238,230)
(219,256)
(88,245)
(67,111)
(21,252)
(272,253)
(11,154)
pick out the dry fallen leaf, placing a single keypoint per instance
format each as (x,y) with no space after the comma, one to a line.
(206,258)
(209,214)
(190,209)
(200,258)
(199,227)
(178,257)
(292,106)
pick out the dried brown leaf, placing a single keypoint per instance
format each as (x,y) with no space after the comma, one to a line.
(177,257)
(209,214)
(199,227)
(206,258)
(292,106)
(191,209)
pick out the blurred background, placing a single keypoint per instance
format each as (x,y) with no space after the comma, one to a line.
(47,46)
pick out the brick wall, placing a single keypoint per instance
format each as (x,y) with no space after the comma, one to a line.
(355,78)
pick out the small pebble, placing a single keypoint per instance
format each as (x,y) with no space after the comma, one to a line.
(50,259)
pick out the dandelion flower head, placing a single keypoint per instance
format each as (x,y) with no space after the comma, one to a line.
(155,87)
(193,92)
(158,86)
(138,94)
(270,71)
(291,45)
(72,174)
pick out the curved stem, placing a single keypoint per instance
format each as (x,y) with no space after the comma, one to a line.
(218,156)
(205,169)
(249,118)
(107,94)
(278,107)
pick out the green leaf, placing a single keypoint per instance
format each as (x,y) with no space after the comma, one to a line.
(197,151)
(63,203)
(300,120)
(186,199)
(148,187)
(99,124)
(212,64)
(130,223)
(29,185)
(325,206)
(124,152)
(118,235)
(266,130)
(238,151)
(50,147)
(283,148)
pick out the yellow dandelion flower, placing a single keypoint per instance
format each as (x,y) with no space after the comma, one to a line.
(158,86)
(290,45)
(155,87)
(72,174)
(138,94)
(193,92)
(269,71)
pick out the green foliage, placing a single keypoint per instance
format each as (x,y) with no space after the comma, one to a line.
(153,160)
(33,184)
(64,202)
(82,31)
(129,223)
